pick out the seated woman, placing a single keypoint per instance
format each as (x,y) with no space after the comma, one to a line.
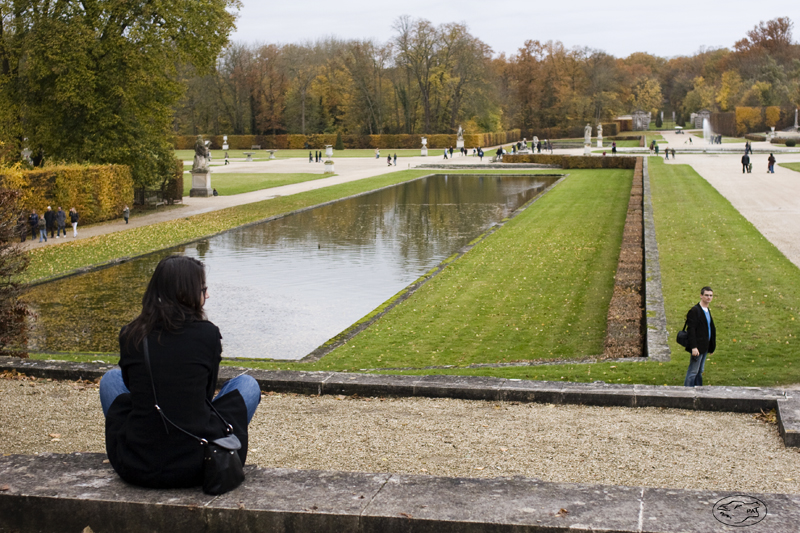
(185,352)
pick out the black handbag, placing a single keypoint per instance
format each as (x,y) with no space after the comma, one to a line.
(222,466)
(683,335)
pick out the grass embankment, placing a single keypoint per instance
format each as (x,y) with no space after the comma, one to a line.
(702,240)
(54,260)
(790,166)
(230,184)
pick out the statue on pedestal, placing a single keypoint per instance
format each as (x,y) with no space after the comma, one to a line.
(587,134)
(460,133)
(201,156)
(600,130)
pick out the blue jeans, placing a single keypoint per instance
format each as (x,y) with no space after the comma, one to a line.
(43,234)
(694,376)
(112,386)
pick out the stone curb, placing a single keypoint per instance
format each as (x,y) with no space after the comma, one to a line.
(732,399)
(656,327)
(54,492)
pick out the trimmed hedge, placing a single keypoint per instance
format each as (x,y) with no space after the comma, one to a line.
(318,141)
(97,192)
(758,137)
(572,161)
(610,129)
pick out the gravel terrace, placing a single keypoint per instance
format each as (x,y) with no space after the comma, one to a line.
(652,447)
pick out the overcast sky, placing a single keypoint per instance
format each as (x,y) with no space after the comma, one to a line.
(619,27)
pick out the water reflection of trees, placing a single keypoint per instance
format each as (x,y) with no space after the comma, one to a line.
(418,221)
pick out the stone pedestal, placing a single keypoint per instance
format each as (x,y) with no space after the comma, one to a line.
(424,151)
(460,143)
(201,184)
(599,142)
(329,167)
(271,154)
(249,156)
(587,149)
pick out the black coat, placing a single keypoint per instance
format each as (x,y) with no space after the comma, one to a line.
(185,368)
(697,328)
(49,217)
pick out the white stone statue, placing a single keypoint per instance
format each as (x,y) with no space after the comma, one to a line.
(201,156)
(587,134)
(600,130)
(460,133)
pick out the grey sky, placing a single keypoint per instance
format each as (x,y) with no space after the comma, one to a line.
(619,27)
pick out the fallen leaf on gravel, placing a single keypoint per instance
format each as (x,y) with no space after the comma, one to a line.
(54,435)
(562,512)
(4,487)
(55,440)
(407,515)
(106,461)
(340,397)
(479,468)
(503,449)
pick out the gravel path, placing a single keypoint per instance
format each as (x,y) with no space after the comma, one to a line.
(616,446)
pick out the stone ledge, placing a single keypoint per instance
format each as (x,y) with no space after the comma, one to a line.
(54,492)
(733,399)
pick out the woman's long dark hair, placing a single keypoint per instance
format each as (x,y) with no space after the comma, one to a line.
(173,297)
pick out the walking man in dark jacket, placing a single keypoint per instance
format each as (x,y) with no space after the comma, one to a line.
(702,338)
(745,162)
(49,220)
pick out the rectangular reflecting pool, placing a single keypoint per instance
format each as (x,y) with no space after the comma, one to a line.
(281,288)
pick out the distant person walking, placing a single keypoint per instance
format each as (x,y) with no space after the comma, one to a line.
(702,338)
(614,148)
(673,152)
(480,153)
(33,222)
(389,160)
(49,220)
(445,153)
(310,157)
(22,227)
(395,159)
(377,153)
(73,218)
(61,220)
(745,162)
(42,229)
(771,164)
(126,214)
(226,157)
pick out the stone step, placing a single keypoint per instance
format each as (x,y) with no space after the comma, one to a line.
(732,399)
(67,493)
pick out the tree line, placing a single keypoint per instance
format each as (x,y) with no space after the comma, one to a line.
(431,79)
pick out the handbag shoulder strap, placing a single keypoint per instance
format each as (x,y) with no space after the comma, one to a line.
(164,418)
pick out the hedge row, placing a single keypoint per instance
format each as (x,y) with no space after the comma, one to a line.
(318,141)
(571,161)
(97,192)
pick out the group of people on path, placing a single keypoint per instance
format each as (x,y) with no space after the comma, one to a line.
(747,166)
(51,221)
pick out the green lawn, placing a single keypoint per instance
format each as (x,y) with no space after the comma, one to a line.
(230,184)
(521,290)
(790,166)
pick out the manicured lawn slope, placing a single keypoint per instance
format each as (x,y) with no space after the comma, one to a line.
(703,240)
(539,288)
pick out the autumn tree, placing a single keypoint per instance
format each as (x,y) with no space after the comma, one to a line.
(96,80)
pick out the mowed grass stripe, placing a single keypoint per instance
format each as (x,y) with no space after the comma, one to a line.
(537,289)
(704,240)
(228,184)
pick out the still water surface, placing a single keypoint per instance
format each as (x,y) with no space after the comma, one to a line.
(282,288)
